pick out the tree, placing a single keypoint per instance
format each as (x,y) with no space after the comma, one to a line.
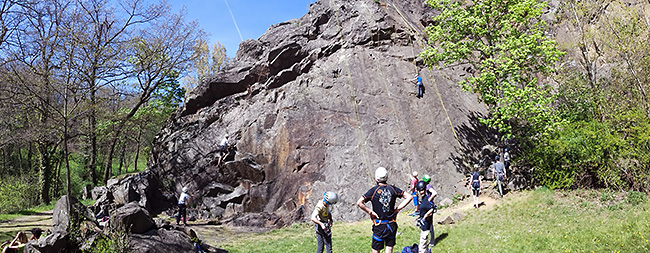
(104,38)
(157,56)
(504,42)
(207,62)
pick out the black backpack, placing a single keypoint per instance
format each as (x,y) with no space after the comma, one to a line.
(475,180)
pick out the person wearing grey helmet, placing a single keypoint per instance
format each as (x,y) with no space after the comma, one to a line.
(322,217)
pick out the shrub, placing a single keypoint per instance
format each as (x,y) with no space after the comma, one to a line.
(16,193)
(635,198)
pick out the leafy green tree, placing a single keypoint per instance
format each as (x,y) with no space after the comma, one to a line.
(505,44)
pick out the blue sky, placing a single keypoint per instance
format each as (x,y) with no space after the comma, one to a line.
(253,17)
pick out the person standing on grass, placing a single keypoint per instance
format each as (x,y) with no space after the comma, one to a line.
(383,212)
(425,219)
(499,173)
(414,180)
(322,217)
(475,185)
(182,206)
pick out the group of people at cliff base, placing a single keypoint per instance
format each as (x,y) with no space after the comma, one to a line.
(18,243)
(383,197)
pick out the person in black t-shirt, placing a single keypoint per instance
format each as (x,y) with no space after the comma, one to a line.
(383,212)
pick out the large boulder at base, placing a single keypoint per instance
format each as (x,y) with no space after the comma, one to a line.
(132,218)
(62,219)
(55,242)
(517,182)
(161,240)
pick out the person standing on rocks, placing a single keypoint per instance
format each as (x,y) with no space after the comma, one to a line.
(414,193)
(500,173)
(322,217)
(383,212)
(425,219)
(183,200)
(475,185)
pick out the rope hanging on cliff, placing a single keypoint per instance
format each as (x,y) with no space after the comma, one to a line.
(433,80)
(353,96)
(390,98)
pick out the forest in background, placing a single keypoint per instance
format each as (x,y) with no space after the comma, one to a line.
(85,85)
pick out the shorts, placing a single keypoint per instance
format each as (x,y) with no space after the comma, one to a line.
(383,235)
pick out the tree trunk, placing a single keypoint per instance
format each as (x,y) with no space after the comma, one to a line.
(119,169)
(92,166)
(45,172)
(137,150)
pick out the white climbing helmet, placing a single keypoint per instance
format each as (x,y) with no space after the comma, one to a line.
(415,174)
(184,189)
(381,174)
(331,197)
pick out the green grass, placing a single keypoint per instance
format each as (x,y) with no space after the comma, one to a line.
(535,221)
(37,209)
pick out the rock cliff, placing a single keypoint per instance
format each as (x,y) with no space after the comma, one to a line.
(317,104)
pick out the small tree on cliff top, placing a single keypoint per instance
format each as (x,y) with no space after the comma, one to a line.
(504,42)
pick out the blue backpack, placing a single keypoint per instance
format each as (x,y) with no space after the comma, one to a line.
(410,249)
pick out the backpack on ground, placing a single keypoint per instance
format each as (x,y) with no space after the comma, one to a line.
(410,249)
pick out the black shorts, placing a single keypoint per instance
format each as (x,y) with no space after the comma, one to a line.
(384,235)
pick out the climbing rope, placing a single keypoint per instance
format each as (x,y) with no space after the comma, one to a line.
(353,98)
(433,80)
(390,98)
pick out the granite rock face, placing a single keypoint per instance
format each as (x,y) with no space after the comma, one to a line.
(317,104)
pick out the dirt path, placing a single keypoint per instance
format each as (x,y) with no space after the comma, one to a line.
(9,228)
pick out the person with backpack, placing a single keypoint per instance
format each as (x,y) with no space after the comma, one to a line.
(414,193)
(500,173)
(475,184)
(383,213)
(183,200)
(431,193)
(425,219)
(322,217)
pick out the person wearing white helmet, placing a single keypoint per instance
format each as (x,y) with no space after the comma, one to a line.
(183,200)
(322,217)
(383,212)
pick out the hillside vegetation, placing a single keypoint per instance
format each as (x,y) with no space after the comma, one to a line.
(531,221)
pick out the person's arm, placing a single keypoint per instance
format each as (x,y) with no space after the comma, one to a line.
(363,207)
(314,218)
(407,199)
(433,194)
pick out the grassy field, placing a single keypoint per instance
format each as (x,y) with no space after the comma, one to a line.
(532,221)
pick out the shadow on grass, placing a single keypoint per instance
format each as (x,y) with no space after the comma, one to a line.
(441,237)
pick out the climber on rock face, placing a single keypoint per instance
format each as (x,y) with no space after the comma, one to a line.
(223,149)
(420,86)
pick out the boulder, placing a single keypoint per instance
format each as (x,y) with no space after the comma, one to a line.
(446,202)
(160,240)
(98,191)
(55,242)
(62,219)
(132,218)
(446,221)
(457,216)
(517,182)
